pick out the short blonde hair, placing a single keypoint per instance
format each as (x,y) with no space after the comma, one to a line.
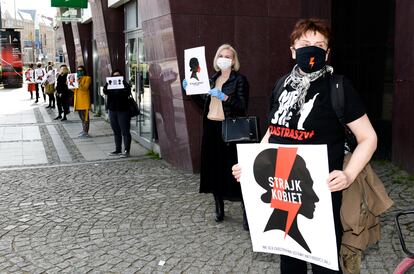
(236,65)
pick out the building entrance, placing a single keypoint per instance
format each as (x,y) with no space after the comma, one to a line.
(363,50)
(138,76)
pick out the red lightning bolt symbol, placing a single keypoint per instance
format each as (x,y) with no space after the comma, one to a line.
(312,61)
(285,160)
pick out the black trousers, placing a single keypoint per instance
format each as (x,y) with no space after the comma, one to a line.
(62,104)
(37,91)
(121,124)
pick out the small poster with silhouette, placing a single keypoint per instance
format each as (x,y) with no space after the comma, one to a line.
(50,77)
(115,82)
(72,81)
(196,71)
(40,75)
(29,77)
(287,200)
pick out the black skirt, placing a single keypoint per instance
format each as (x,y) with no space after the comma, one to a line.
(217,158)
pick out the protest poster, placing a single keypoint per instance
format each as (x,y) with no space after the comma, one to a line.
(29,76)
(115,82)
(196,74)
(50,77)
(72,81)
(287,200)
(40,75)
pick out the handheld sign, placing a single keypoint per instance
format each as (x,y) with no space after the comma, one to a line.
(288,203)
(196,71)
(72,81)
(29,76)
(115,82)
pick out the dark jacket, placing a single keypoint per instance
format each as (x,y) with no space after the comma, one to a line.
(236,87)
(217,157)
(117,99)
(61,86)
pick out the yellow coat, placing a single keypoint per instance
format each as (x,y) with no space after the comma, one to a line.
(82,99)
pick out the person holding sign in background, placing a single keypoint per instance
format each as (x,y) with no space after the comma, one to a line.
(303,114)
(29,79)
(228,97)
(50,86)
(119,116)
(62,93)
(82,101)
(40,75)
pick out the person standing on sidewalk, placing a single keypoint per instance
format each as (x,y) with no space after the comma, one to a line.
(62,93)
(29,74)
(119,117)
(50,86)
(228,98)
(82,100)
(40,75)
(307,86)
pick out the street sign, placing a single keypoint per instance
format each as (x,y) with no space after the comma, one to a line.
(82,4)
(70,15)
(68,19)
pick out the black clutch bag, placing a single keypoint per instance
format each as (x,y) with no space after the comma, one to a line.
(240,129)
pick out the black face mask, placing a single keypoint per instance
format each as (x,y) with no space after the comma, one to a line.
(310,59)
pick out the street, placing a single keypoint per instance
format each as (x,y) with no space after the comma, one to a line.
(67,207)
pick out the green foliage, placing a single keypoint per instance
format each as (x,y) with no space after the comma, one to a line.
(153,155)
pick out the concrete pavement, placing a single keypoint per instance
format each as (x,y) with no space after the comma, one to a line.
(67,207)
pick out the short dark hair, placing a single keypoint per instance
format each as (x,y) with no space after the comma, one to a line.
(115,71)
(310,24)
(83,68)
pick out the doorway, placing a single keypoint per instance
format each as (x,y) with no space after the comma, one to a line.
(137,74)
(363,51)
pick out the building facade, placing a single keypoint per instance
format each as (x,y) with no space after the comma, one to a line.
(146,39)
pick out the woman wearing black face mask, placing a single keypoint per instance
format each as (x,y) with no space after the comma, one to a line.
(304,104)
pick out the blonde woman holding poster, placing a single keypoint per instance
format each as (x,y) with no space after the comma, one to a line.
(82,101)
(301,112)
(228,97)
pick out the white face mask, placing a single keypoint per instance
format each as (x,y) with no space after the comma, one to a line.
(224,63)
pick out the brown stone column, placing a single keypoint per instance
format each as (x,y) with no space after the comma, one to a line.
(403,111)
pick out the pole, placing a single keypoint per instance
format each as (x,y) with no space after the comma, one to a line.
(1,20)
(15,12)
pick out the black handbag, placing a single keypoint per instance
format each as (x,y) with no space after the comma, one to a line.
(240,129)
(133,108)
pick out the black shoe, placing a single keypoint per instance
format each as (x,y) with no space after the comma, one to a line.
(48,107)
(124,155)
(115,153)
(36,101)
(64,119)
(57,118)
(219,214)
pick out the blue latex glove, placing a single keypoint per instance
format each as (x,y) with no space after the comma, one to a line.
(217,93)
(185,84)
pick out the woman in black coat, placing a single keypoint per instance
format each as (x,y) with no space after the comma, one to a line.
(228,98)
(119,116)
(62,93)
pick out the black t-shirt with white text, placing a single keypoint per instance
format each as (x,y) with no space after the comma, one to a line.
(317,123)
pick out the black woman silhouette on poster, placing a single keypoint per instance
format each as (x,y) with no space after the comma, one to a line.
(194,68)
(289,190)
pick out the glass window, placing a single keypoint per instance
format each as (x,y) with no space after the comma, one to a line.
(131,15)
